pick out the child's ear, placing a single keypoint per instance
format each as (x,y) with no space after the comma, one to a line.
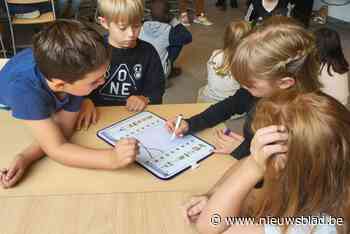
(58,84)
(103,22)
(286,82)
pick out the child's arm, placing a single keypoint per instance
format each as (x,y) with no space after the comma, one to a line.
(33,152)
(179,35)
(154,79)
(241,102)
(228,198)
(50,138)
(88,114)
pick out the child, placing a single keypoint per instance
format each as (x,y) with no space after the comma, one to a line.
(135,76)
(259,10)
(276,57)
(200,17)
(221,84)
(167,35)
(301,148)
(43,88)
(334,67)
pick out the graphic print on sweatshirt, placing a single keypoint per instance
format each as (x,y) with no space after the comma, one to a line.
(122,83)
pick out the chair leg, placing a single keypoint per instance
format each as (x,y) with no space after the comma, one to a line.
(11,28)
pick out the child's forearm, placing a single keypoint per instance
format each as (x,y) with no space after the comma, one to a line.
(32,153)
(224,178)
(229,197)
(78,156)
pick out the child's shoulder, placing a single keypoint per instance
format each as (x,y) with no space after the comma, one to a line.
(145,47)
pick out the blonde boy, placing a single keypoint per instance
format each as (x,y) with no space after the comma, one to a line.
(135,77)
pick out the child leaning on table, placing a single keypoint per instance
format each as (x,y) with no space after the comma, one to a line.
(43,87)
(135,77)
(278,56)
(301,147)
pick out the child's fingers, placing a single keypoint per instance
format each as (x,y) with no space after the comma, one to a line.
(15,178)
(79,121)
(270,129)
(87,121)
(11,173)
(94,117)
(236,136)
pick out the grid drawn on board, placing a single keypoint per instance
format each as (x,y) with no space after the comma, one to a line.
(158,153)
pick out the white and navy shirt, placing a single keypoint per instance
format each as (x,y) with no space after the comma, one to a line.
(257,12)
(133,71)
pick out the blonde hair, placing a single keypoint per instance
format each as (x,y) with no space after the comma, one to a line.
(127,11)
(316,178)
(234,32)
(278,48)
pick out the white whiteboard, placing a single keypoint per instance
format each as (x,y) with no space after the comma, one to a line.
(160,155)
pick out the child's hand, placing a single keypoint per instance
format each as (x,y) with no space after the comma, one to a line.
(194,207)
(124,153)
(88,115)
(137,103)
(9,177)
(267,142)
(181,131)
(225,144)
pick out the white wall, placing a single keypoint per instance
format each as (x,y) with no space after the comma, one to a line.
(338,12)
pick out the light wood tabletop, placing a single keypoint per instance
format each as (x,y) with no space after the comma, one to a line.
(54,198)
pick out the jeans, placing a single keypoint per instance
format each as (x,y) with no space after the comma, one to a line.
(63,4)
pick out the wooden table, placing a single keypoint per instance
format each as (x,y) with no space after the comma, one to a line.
(57,199)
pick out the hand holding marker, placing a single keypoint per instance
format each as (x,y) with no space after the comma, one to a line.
(177,125)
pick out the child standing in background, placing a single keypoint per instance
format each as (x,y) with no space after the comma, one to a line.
(334,67)
(221,84)
(260,10)
(166,34)
(135,76)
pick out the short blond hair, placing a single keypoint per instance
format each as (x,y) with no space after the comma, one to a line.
(126,11)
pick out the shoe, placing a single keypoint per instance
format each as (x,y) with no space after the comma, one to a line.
(203,20)
(175,71)
(28,15)
(219,3)
(233,3)
(184,19)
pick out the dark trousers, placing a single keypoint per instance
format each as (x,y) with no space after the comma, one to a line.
(302,11)
(173,53)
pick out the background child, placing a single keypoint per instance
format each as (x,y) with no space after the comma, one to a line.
(306,132)
(200,17)
(42,87)
(334,67)
(260,10)
(166,34)
(278,56)
(221,84)
(135,76)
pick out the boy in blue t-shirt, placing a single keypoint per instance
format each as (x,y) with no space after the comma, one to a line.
(43,87)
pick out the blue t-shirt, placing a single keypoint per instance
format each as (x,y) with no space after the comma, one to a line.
(24,89)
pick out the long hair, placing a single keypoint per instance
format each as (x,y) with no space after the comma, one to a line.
(234,32)
(331,53)
(278,48)
(316,177)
